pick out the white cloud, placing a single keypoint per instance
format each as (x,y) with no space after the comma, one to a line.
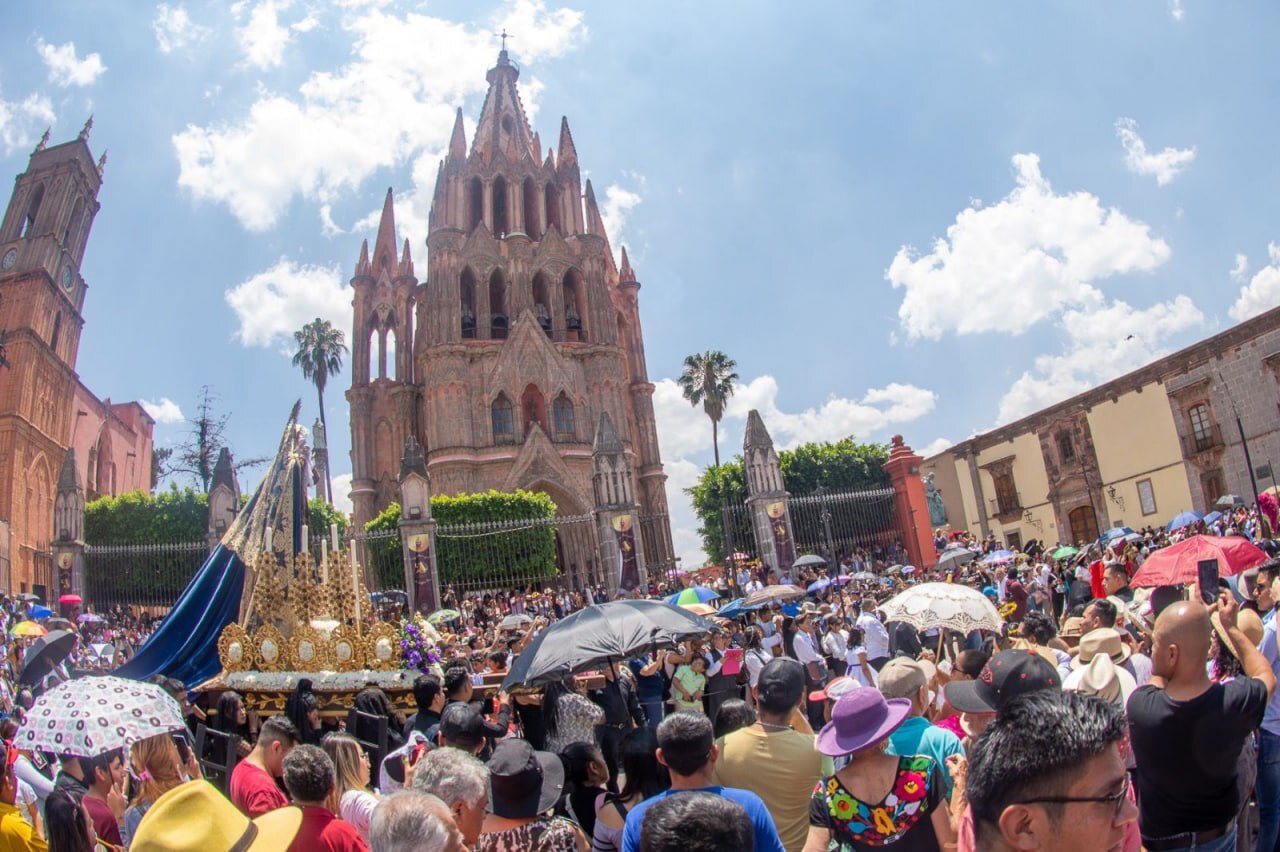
(934,447)
(1263,290)
(1008,266)
(163,410)
(174,28)
(1102,343)
(1176,10)
(263,38)
(615,210)
(275,303)
(20,121)
(684,434)
(342,494)
(1164,166)
(65,68)
(408,74)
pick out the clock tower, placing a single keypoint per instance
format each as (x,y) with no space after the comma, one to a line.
(42,241)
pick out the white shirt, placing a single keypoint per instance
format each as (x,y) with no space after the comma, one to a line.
(755,661)
(835,645)
(754,586)
(805,651)
(874,635)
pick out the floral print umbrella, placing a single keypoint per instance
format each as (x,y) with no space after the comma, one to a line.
(92,715)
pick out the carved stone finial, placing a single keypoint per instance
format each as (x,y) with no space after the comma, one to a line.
(84,132)
(44,141)
(102,163)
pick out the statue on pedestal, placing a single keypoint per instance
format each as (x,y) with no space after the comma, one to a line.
(937,509)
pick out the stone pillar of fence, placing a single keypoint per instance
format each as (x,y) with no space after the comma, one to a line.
(224,498)
(418,531)
(68,529)
(910,503)
(767,499)
(621,547)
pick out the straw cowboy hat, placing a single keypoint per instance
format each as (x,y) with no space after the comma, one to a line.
(1104,640)
(195,816)
(1249,624)
(1104,679)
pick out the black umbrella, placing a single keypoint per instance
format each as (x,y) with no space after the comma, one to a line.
(607,631)
(44,654)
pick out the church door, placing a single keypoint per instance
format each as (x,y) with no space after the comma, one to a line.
(1084,525)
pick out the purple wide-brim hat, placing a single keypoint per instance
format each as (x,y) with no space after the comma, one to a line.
(859,719)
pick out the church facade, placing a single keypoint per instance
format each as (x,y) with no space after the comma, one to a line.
(522,334)
(45,410)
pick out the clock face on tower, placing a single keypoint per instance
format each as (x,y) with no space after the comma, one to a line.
(10,257)
(68,277)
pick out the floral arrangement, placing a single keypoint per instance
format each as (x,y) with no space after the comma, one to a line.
(321,681)
(416,648)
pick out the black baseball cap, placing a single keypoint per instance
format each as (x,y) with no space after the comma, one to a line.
(781,683)
(462,725)
(1005,676)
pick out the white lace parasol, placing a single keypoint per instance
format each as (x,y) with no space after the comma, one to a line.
(949,605)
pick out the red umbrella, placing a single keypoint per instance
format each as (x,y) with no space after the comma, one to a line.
(1176,564)
(70,600)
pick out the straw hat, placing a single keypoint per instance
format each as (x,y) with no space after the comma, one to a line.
(1104,679)
(1249,624)
(1104,640)
(196,817)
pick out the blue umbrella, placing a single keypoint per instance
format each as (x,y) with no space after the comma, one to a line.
(819,585)
(1212,517)
(1114,533)
(734,608)
(1184,519)
(38,612)
(998,556)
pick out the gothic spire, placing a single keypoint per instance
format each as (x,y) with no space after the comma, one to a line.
(384,247)
(223,472)
(102,163)
(595,223)
(69,476)
(757,435)
(626,274)
(458,142)
(362,265)
(503,126)
(84,131)
(406,260)
(44,141)
(567,155)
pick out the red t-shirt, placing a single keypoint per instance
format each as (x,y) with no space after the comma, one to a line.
(104,822)
(321,831)
(255,792)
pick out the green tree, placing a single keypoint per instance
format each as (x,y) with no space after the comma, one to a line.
(321,514)
(833,465)
(198,454)
(137,517)
(320,351)
(708,380)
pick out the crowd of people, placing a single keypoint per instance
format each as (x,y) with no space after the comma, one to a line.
(1099,717)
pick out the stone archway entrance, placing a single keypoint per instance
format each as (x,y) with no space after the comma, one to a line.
(1084,525)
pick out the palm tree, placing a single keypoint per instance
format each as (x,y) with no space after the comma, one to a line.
(709,379)
(320,351)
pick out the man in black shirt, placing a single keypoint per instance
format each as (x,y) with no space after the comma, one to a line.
(429,696)
(1187,732)
(621,706)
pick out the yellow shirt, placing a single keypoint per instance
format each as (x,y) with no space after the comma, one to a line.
(781,767)
(16,834)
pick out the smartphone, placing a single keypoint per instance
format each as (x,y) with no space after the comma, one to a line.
(184,750)
(1207,576)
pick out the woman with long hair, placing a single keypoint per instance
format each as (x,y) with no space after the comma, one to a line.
(645,778)
(585,775)
(303,709)
(231,717)
(157,768)
(68,824)
(569,716)
(355,803)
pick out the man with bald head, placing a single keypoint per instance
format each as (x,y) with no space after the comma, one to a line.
(1187,732)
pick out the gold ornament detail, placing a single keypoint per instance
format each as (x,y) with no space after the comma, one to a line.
(268,590)
(270,650)
(235,649)
(310,651)
(381,647)
(348,652)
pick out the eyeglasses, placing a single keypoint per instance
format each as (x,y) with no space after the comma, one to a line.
(1116,800)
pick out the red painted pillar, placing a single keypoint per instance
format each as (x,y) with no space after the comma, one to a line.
(910,504)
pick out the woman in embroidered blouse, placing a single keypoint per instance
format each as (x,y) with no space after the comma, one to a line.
(879,800)
(569,716)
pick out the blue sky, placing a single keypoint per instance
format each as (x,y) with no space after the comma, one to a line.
(923,218)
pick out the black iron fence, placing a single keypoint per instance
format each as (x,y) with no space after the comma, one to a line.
(140,574)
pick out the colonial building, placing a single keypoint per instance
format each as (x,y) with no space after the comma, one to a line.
(521,336)
(1177,434)
(44,408)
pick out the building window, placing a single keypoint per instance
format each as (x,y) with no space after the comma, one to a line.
(562,415)
(1147,496)
(33,210)
(1006,494)
(1066,449)
(57,329)
(1013,540)
(1212,486)
(504,430)
(1204,434)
